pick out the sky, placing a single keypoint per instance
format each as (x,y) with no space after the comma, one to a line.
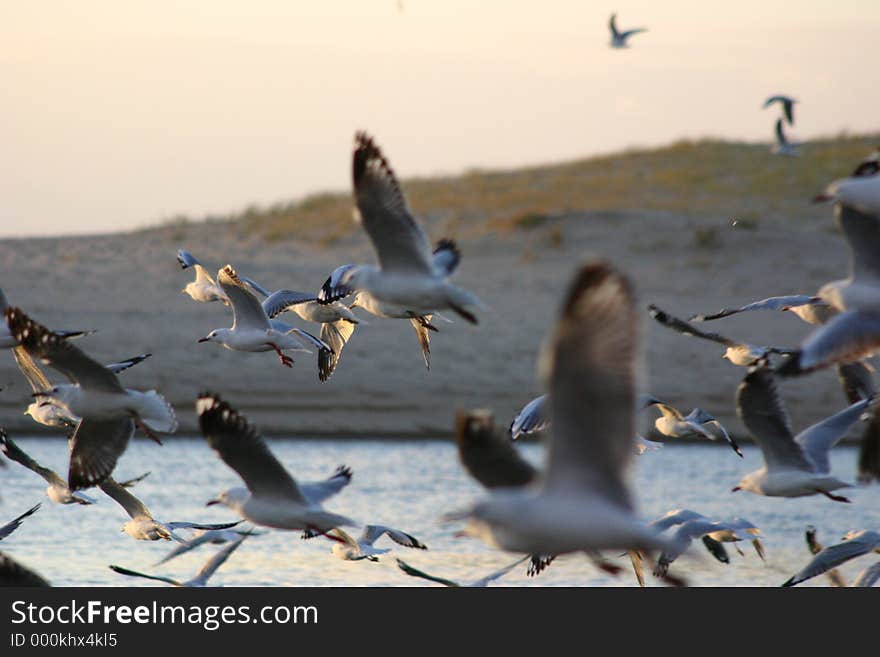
(116,115)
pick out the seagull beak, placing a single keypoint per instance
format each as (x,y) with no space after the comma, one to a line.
(735,488)
(212,502)
(821,198)
(205,339)
(42,393)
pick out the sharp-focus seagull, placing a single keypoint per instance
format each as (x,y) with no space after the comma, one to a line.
(251,328)
(13,573)
(738,353)
(810,309)
(108,412)
(530,419)
(407,275)
(44,410)
(855,545)
(7,339)
(672,423)
(815,548)
(479,583)
(794,466)
(581,502)
(201,578)
(787,106)
(855,332)
(142,525)
(12,525)
(698,528)
(207,537)
(349,548)
(203,289)
(58,491)
(620,39)
(272,497)
(861,189)
(782,145)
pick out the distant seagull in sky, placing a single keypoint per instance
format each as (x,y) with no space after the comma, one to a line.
(787,106)
(783,146)
(620,39)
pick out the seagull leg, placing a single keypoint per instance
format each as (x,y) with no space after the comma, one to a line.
(147,431)
(314,531)
(836,498)
(422,320)
(287,361)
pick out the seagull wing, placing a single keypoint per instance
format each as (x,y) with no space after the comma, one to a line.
(491,577)
(283,300)
(125,498)
(95,447)
(31,371)
(423,335)
(134,573)
(372,533)
(770,303)
(317,492)
(218,559)
(862,233)
(333,289)
(446,257)
(42,343)
(15,453)
(612,26)
(761,409)
(869,576)
(818,439)
(857,380)
(845,337)
(591,364)
(246,309)
(834,555)
(490,458)
(530,419)
(685,328)
(400,242)
(336,335)
(415,572)
(12,525)
(243,449)
(123,365)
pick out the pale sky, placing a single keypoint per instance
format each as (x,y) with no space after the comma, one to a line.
(118,114)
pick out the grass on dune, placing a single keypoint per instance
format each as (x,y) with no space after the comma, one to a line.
(691,178)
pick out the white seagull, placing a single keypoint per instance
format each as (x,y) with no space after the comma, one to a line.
(203,289)
(672,423)
(108,412)
(861,189)
(581,502)
(272,497)
(794,466)
(251,328)
(855,544)
(201,578)
(57,491)
(349,548)
(530,419)
(407,275)
(620,39)
(142,525)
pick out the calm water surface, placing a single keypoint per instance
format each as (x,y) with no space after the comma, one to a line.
(408,485)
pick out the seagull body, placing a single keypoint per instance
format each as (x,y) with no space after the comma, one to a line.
(581,502)
(201,578)
(672,423)
(620,39)
(108,411)
(406,275)
(795,466)
(787,103)
(272,497)
(855,545)
(203,289)
(251,328)
(143,526)
(58,490)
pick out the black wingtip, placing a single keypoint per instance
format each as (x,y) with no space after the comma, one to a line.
(790,366)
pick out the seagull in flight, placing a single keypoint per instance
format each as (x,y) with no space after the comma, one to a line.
(349,548)
(620,39)
(479,583)
(58,490)
(787,104)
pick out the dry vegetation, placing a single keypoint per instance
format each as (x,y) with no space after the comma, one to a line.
(689,178)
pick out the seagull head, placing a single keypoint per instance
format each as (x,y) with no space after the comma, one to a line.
(211,337)
(233,498)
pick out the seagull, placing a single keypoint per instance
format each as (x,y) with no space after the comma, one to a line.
(203,289)
(815,548)
(44,410)
(108,412)
(13,573)
(407,275)
(861,189)
(272,497)
(348,548)
(479,583)
(251,329)
(810,309)
(530,419)
(673,424)
(783,146)
(855,544)
(868,468)
(201,578)
(581,501)
(7,339)
(618,38)
(738,353)
(794,466)
(58,490)
(697,528)
(12,525)
(142,525)
(855,332)
(787,106)
(206,536)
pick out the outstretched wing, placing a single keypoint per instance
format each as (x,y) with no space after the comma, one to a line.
(246,309)
(490,458)
(372,533)
(12,525)
(95,447)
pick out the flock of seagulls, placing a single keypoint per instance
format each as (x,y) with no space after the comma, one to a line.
(578,500)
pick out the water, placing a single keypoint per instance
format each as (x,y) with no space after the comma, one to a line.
(408,485)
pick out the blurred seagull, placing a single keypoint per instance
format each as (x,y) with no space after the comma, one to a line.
(349,548)
(201,578)
(479,583)
(12,525)
(142,525)
(58,491)
(207,536)
(787,104)
(13,573)
(530,419)
(108,412)
(816,547)
(7,339)
(783,146)
(407,275)
(810,309)
(855,544)
(272,497)
(861,189)
(738,353)
(794,466)
(620,39)
(251,329)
